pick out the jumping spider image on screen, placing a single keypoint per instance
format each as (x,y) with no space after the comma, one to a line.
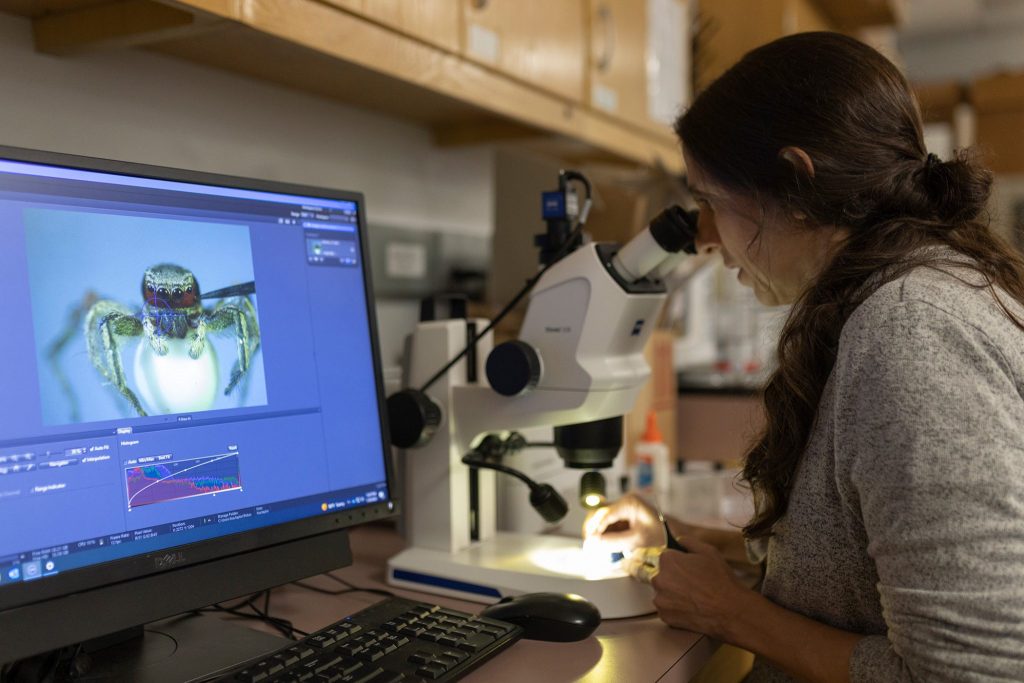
(171,309)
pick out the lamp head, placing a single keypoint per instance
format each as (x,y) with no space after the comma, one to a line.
(593,490)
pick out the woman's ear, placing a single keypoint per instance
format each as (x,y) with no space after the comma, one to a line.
(798,159)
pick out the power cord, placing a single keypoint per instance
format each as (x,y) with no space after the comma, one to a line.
(349,588)
(283,626)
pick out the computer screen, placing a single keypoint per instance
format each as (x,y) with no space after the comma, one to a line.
(186,359)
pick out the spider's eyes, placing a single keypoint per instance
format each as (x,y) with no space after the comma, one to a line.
(189,290)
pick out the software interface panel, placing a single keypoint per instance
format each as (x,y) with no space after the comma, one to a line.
(180,362)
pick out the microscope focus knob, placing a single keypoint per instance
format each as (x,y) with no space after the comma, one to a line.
(412,418)
(513,368)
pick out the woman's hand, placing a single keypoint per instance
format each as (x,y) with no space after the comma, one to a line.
(628,524)
(697,590)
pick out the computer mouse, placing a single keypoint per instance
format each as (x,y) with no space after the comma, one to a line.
(560,617)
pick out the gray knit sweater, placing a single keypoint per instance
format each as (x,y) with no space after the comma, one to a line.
(906,517)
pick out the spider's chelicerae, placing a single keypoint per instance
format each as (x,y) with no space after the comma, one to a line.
(171,310)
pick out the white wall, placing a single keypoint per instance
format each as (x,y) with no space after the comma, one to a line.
(139,106)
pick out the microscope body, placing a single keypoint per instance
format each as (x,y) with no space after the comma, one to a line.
(577,366)
(588,334)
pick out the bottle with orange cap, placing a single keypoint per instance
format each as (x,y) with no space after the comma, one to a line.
(651,473)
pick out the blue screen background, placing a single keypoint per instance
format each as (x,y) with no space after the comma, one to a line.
(74,252)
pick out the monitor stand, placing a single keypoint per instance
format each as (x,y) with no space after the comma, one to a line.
(179,649)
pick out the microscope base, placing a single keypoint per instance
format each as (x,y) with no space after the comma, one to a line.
(513,564)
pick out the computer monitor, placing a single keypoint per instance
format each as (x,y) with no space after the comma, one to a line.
(191,405)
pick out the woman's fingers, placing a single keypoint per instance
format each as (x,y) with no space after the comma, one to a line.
(642,564)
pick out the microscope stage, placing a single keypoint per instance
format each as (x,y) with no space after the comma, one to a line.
(513,564)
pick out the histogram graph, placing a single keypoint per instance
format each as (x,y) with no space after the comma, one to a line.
(174,480)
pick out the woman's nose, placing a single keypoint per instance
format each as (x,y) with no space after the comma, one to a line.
(707,240)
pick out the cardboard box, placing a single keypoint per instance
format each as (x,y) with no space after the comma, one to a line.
(998,92)
(938,100)
(1000,139)
(999,107)
(718,427)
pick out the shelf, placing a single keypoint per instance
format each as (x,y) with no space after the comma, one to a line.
(858,14)
(321,49)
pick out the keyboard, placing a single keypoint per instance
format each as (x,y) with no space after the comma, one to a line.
(390,641)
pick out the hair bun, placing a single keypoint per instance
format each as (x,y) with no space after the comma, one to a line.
(958,189)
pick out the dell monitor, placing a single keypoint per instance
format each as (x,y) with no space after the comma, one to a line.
(190,392)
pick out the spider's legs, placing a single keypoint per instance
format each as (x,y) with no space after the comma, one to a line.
(241,315)
(198,343)
(106,321)
(57,346)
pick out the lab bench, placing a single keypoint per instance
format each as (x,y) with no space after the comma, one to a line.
(636,649)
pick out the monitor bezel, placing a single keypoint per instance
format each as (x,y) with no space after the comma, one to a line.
(24,593)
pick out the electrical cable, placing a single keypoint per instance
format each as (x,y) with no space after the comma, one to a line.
(283,626)
(349,588)
(474,460)
(564,249)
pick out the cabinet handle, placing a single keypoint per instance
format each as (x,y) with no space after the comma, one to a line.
(479,4)
(607,20)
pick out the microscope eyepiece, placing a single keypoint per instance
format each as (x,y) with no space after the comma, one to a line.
(672,231)
(675,230)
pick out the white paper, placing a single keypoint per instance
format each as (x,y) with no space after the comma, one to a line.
(605,98)
(406,260)
(483,44)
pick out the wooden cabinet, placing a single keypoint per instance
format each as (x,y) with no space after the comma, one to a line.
(566,77)
(433,21)
(617,71)
(999,110)
(632,73)
(737,26)
(540,42)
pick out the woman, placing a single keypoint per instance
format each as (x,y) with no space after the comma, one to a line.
(889,480)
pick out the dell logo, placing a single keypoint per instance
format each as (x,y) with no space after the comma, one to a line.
(637,327)
(169,560)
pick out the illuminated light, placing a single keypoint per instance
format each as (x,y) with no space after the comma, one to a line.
(589,562)
(175,382)
(592,490)
(323,506)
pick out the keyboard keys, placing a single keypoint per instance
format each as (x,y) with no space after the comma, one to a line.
(449,639)
(387,677)
(420,657)
(321,640)
(432,670)
(475,642)
(363,676)
(392,641)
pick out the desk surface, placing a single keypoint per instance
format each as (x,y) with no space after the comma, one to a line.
(637,649)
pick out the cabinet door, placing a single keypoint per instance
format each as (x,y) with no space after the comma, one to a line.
(639,59)
(433,21)
(618,75)
(537,41)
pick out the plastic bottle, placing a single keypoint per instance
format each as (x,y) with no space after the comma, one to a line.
(651,474)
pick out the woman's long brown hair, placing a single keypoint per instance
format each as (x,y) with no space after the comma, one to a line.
(852,112)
